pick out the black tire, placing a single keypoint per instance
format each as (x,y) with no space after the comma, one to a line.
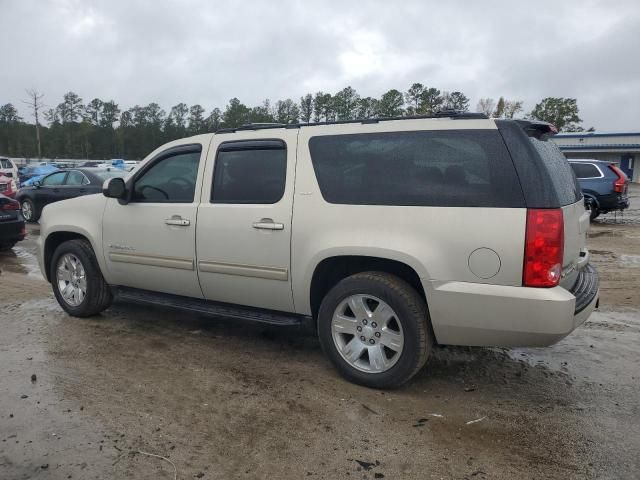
(98,296)
(35,214)
(592,207)
(411,311)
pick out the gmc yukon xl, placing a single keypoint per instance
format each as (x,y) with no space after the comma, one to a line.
(387,236)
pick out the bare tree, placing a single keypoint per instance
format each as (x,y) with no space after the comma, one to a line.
(512,107)
(486,106)
(35,104)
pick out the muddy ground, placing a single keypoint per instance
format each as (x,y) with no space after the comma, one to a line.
(225,400)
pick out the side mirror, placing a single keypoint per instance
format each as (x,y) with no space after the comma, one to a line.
(37,183)
(114,188)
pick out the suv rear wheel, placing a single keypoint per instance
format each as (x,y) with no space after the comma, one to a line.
(77,281)
(592,207)
(373,326)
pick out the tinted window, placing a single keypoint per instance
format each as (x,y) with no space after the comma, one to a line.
(5,163)
(585,170)
(435,168)
(76,178)
(170,180)
(249,176)
(562,176)
(54,179)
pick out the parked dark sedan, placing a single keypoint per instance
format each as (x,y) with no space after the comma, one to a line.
(11,223)
(62,185)
(603,185)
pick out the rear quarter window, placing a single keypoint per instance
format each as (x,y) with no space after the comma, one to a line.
(562,177)
(585,170)
(457,168)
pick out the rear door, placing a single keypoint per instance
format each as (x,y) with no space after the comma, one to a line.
(75,184)
(244,219)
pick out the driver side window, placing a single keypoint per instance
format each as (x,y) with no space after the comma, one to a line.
(54,179)
(170,180)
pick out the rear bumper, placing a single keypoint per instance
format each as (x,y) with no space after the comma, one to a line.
(12,231)
(478,314)
(613,202)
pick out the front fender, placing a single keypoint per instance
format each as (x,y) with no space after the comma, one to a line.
(80,216)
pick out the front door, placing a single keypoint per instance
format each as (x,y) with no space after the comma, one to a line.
(244,220)
(50,190)
(149,242)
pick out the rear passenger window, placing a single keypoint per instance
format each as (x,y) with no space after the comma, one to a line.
(250,173)
(76,178)
(425,168)
(585,170)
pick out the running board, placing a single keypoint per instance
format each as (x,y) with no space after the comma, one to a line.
(208,307)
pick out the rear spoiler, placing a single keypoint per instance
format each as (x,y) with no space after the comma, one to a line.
(537,129)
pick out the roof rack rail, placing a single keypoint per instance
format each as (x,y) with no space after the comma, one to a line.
(453,114)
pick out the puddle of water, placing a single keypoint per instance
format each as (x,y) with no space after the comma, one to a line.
(602,252)
(627,260)
(20,260)
(29,262)
(608,233)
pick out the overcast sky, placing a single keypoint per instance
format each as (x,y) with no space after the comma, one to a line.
(206,52)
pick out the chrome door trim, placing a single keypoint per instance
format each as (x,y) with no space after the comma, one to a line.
(152,260)
(239,269)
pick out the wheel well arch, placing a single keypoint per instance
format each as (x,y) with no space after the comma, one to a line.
(53,241)
(333,269)
(591,197)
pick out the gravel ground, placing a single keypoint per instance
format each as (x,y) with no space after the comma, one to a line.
(82,398)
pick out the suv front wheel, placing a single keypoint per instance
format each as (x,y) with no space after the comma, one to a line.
(77,280)
(373,326)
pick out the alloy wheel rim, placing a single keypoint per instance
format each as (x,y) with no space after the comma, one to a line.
(26,210)
(367,333)
(72,279)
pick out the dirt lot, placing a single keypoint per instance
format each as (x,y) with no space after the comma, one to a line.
(225,400)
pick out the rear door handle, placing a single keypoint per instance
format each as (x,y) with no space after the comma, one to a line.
(178,221)
(268,224)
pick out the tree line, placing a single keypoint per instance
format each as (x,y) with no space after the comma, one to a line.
(101,129)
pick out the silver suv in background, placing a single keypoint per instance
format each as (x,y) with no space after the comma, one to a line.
(386,235)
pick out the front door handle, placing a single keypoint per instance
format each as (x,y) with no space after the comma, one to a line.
(178,221)
(268,224)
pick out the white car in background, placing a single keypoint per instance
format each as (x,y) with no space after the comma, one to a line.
(8,168)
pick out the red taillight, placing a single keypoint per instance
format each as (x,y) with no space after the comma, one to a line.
(544,247)
(619,184)
(12,205)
